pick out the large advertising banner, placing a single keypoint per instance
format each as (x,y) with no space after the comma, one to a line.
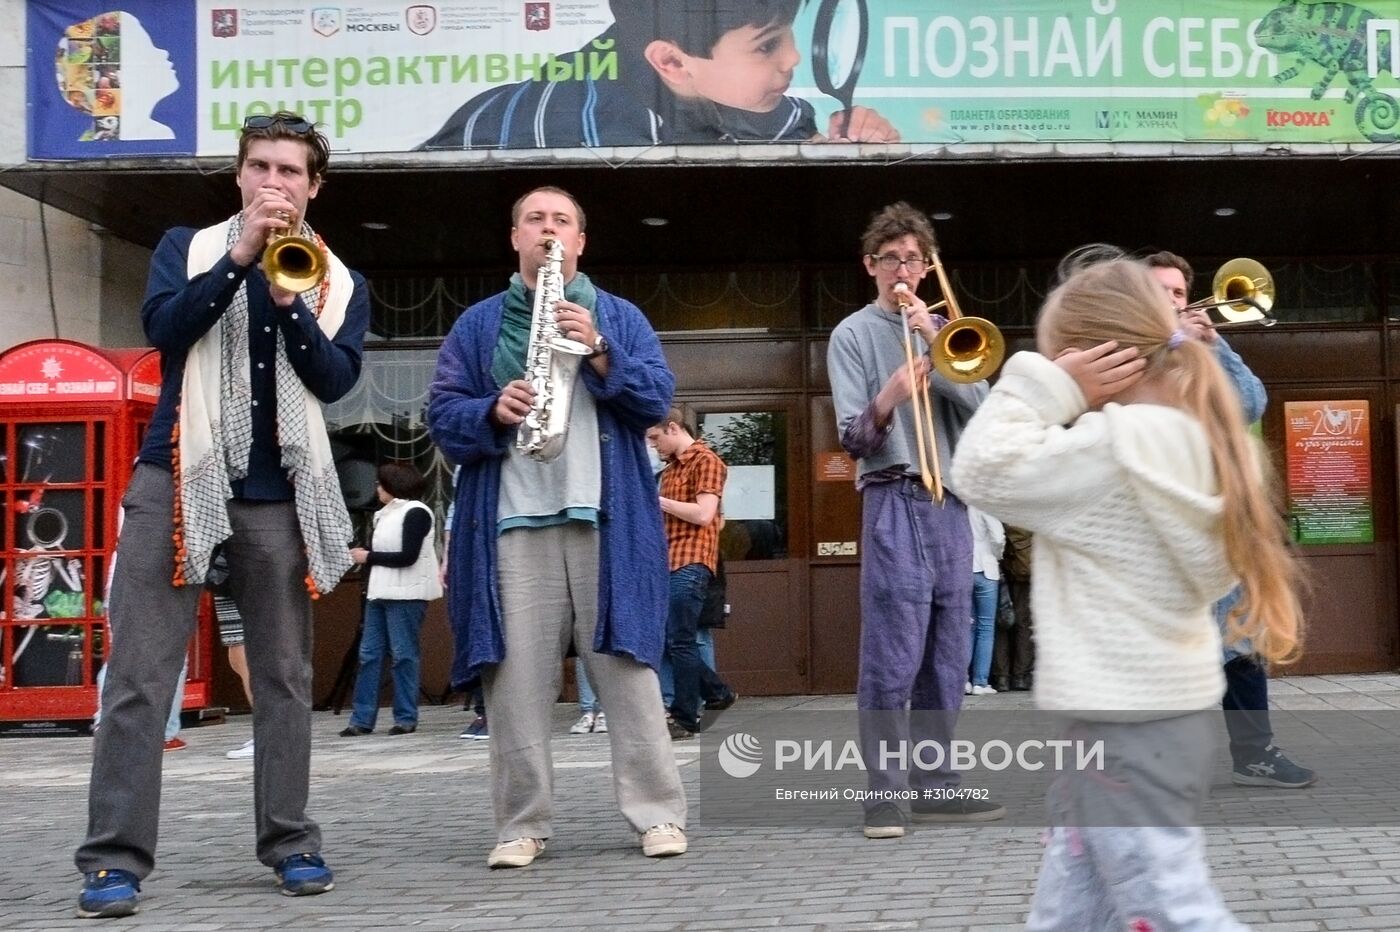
(1328,449)
(116,78)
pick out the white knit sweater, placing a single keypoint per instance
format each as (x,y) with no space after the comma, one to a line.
(1128,548)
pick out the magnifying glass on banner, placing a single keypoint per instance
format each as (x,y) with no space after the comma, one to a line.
(839,37)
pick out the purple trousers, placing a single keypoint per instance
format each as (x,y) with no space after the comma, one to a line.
(916,625)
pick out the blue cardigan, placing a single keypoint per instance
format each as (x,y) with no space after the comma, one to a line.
(632,567)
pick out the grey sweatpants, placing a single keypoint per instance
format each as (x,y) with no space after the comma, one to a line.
(151,625)
(1124,848)
(549,594)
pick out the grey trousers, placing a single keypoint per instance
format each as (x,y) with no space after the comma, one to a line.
(151,624)
(549,595)
(1124,849)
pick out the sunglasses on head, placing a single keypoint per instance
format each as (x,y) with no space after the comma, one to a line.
(298,125)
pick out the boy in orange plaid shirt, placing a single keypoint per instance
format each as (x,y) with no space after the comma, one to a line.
(691,486)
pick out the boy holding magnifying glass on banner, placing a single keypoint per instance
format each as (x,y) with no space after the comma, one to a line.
(685,73)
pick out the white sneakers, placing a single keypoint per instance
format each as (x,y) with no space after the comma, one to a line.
(659,841)
(242,753)
(590,723)
(663,841)
(518,853)
(983,691)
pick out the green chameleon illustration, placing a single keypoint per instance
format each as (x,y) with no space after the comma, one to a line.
(1333,35)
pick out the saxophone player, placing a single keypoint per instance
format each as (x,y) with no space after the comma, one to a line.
(568,549)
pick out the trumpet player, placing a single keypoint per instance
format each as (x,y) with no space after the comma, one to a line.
(236,457)
(916,555)
(566,548)
(1257,762)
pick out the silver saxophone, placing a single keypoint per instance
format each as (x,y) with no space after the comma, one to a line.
(551,363)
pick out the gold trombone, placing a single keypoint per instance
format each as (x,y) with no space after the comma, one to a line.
(964,350)
(1242,292)
(293,262)
(930,473)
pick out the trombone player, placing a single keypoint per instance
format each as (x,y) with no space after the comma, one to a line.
(916,554)
(1246,702)
(236,457)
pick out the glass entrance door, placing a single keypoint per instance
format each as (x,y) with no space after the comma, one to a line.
(762,650)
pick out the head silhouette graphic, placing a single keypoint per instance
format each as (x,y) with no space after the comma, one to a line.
(109,68)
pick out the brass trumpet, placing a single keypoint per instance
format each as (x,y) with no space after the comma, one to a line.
(1242,292)
(293,262)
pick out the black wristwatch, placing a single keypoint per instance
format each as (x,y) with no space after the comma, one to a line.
(600,345)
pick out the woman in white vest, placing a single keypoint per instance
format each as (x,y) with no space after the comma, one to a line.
(403,576)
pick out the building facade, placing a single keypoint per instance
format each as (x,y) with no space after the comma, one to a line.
(744,253)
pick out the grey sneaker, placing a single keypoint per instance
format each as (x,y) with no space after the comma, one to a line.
(520,852)
(1272,769)
(664,841)
(957,810)
(884,821)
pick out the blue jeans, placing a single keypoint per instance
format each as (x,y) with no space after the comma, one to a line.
(395,623)
(984,627)
(689,585)
(587,700)
(705,641)
(1246,705)
(172,723)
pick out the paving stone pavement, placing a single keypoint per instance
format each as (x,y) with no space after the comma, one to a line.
(407,826)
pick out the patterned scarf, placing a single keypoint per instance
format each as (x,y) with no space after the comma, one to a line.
(214,436)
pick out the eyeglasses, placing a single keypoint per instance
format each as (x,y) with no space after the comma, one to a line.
(298,125)
(892,263)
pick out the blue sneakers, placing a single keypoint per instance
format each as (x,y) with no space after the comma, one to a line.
(108,894)
(304,875)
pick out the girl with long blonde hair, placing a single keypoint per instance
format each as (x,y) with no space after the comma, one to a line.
(1120,445)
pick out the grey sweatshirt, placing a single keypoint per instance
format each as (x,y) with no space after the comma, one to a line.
(864,351)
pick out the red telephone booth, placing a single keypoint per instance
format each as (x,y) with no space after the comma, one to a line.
(71,421)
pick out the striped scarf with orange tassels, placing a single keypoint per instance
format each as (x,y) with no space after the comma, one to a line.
(213,434)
